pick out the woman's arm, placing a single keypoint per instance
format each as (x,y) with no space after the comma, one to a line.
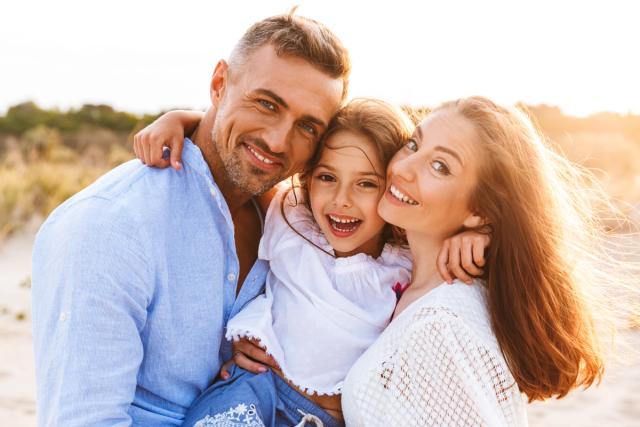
(165,135)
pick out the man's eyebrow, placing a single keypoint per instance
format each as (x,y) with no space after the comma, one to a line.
(273,96)
(315,120)
(283,103)
(449,151)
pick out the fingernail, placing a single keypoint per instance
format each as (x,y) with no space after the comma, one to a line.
(225,376)
(262,369)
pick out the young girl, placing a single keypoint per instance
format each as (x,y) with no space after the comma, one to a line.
(335,266)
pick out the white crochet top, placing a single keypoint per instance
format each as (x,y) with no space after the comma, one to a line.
(437,364)
(318,313)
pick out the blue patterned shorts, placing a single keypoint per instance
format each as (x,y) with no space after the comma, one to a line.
(255,400)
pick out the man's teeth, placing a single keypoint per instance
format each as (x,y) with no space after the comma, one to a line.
(259,157)
(343,220)
(401,196)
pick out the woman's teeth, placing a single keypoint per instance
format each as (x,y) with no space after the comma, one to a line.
(260,157)
(401,196)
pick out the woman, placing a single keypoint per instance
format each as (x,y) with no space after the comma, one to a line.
(462,355)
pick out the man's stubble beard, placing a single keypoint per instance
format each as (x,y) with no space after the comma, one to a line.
(252,181)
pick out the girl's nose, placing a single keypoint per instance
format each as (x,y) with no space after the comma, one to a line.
(343,197)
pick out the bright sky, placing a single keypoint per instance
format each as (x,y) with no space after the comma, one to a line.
(144,56)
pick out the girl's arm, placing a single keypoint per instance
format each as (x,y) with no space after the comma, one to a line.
(165,135)
(462,256)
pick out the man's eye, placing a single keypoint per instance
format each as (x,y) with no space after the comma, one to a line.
(266,104)
(412,145)
(310,129)
(440,167)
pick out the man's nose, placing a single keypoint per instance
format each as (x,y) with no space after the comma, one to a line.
(277,137)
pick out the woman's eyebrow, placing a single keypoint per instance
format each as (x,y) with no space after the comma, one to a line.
(449,151)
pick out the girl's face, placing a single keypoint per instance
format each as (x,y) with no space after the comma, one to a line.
(430,179)
(344,192)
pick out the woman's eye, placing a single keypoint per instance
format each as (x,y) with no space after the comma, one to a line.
(266,104)
(440,167)
(412,145)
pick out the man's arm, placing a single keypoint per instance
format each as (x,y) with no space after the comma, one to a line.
(89,306)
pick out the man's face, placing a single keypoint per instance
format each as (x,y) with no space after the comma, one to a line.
(270,114)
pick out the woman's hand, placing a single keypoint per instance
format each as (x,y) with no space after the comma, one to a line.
(160,143)
(462,256)
(249,355)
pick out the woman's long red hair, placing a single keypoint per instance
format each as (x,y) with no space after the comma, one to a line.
(541,226)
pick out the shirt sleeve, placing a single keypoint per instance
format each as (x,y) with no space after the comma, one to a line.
(90,295)
(443,376)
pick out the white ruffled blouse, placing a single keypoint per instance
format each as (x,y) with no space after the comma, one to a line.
(318,313)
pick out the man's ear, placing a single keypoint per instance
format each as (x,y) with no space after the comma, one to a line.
(474,221)
(219,81)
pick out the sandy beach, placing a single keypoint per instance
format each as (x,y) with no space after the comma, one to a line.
(615,402)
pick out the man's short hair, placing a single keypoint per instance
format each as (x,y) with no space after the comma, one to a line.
(297,36)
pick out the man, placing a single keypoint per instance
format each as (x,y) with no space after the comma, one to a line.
(135,277)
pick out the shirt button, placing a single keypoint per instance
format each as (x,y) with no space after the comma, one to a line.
(231,277)
(63,316)
(213,192)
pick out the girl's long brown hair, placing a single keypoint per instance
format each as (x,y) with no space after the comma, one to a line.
(545,252)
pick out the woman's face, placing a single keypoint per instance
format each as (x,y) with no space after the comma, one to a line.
(430,179)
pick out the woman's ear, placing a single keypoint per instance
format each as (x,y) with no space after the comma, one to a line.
(219,81)
(474,221)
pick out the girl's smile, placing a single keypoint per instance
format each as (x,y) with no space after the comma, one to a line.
(344,191)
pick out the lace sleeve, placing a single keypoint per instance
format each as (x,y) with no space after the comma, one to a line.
(443,374)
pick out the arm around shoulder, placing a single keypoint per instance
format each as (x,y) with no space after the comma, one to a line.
(90,280)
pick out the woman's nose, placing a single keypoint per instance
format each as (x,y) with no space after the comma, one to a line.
(405,167)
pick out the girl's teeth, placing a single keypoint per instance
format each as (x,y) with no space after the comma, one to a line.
(347,230)
(343,220)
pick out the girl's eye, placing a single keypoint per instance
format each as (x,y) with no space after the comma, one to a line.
(325,177)
(412,145)
(440,167)
(368,184)
(268,105)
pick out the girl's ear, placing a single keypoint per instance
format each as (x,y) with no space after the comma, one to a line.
(474,221)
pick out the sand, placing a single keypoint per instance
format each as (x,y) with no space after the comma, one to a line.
(615,402)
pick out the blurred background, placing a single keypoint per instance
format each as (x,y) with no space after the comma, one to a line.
(79,78)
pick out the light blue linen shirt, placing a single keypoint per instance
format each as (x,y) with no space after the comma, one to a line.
(134,279)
